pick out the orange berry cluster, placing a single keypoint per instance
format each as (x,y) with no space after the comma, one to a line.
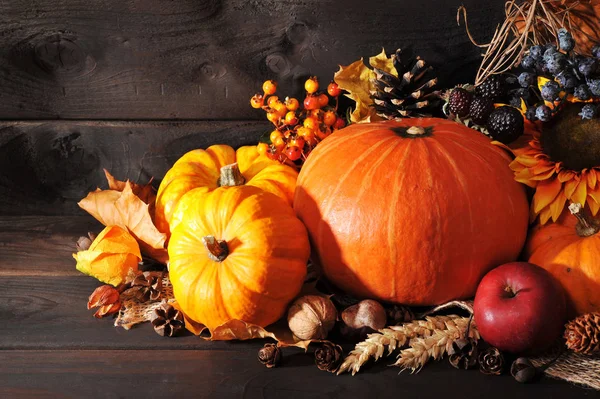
(298,130)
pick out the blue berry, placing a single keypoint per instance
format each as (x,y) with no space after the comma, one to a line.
(549,50)
(528,62)
(588,111)
(596,51)
(565,40)
(530,114)
(567,80)
(594,86)
(582,92)
(536,52)
(515,102)
(525,94)
(556,63)
(526,79)
(587,66)
(550,91)
(543,113)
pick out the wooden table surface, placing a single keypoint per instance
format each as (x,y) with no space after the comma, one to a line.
(51,346)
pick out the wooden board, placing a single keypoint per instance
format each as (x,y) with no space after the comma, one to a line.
(232,371)
(203,59)
(46,167)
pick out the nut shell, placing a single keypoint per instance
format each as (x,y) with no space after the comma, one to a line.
(367,313)
(311,317)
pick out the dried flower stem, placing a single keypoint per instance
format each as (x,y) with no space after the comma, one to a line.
(540,21)
(392,338)
(435,346)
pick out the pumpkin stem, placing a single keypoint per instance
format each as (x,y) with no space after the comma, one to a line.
(217,249)
(231,176)
(586,226)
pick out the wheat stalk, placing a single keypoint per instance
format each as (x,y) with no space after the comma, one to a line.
(393,337)
(436,345)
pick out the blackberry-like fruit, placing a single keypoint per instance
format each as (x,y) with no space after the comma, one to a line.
(530,114)
(493,87)
(505,124)
(588,111)
(480,109)
(459,102)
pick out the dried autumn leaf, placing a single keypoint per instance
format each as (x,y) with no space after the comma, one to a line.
(111,257)
(144,192)
(356,80)
(125,209)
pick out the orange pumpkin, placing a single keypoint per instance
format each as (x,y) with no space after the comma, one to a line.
(221,165)
(413,212)
(570,250)
(236,253)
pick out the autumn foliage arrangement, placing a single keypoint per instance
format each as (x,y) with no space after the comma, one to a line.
(367,226)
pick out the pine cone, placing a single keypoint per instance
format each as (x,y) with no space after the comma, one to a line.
(167,321)
(583,334)
(491,361)
(270,355)
(399,314)
(408,94)
(463,354)
(149,285)
(328,357)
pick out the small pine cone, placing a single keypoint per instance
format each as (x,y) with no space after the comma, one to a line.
(149,286)
(167,321)
(491,361)
(583,334)
(328,357)
(270,355)
(398,314)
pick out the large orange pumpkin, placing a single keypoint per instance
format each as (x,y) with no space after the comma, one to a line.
(570,250)
(236,253)
(414,212)
(221,165)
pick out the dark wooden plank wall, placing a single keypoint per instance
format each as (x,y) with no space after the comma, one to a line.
(79,78)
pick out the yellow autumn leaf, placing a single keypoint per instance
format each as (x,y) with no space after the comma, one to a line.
(356,80)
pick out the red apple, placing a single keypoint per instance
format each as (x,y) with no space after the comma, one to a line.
(520,308)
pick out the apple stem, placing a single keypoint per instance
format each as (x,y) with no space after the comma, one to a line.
(509,290)
(586,225)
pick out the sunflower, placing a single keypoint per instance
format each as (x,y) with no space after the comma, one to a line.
(562,163)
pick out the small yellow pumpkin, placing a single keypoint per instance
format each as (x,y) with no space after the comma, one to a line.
(221,165)
(236,253)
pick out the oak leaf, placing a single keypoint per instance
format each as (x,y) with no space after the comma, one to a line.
(129,206)
(356,79)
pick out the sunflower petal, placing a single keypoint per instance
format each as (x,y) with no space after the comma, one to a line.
(594,206)
(592,178)
(594,196)
(566,175)
(570,186)
(543,176)
(580,194)
(527,161)
(545,216)
(558,206)
(545,193)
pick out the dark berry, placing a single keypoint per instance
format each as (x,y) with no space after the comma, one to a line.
(567,80)
(550,91)
(505,124)
(541,68)
(588,111)
(594,86)
(549,51)
(525,94)
(530,114)
(587,66)
(582,92)
(565,40)
(596,51)
(480,110)
(528,62)
(515,102)
(556,63)
(493,87)
(543,113)
(526,79)
(536,52)
(459,102)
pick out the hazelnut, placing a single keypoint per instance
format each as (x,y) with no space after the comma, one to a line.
(311,317)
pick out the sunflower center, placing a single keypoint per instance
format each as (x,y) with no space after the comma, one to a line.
(571,140)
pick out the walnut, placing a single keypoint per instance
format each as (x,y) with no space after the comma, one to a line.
(312,317)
